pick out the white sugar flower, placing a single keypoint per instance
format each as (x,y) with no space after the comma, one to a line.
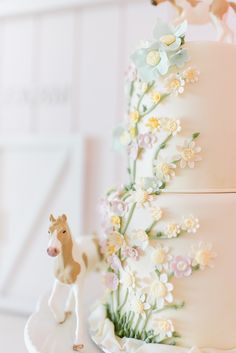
(190,224)
(138,238)
(172,230)
(203,255)
(163,328)
(161,257)
(175,84)
(142,197)
(191,75)
(164,170)
(129,278)
(189,154)
(156,213)
(158,289)
(140,305)
(171,126)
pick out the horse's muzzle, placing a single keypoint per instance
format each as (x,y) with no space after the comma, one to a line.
(52,251)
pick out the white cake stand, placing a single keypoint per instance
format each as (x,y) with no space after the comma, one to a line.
(43,335)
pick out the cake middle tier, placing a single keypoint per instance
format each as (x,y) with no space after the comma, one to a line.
(208,107)
(208,289)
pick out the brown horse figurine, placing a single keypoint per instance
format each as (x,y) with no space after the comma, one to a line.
(203,11)
(72,261)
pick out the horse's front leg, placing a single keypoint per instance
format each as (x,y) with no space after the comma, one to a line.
(79,330)
(57,301)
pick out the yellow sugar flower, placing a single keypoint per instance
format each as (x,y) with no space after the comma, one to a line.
(156,97)
(154,123)
(135,116)
(133,132)
(115,220)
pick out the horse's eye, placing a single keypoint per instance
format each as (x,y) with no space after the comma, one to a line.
(64,231)
(49,232)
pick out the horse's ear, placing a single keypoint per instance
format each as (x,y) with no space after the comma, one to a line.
(52,218)
(64,218)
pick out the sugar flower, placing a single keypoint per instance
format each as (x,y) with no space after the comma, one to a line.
(190,224)
(182,266)
(189,154)
(141,196)
(191,75)
(169,36)
(132,252)
(111,281)
(172,230)
(138,238)
(121,138)
(149,184)
(140,305)
(114,262)
(131,73)
(161,257)
(115,241)
(164,170)
(134,116)
(119,207)
(203,255)
(163,328)
(175,84)
(159,289)
(171,126)
(154,124)
(129,279)
(147,140)
(156,213)
(156,97)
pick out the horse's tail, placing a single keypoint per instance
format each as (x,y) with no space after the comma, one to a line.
(233,5)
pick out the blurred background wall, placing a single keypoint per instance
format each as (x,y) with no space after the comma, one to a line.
(62,65)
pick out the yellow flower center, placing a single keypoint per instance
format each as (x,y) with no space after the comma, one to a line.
(134,116)
(168,39)
(203,257)
(153,123)
(158,257)
(164,326)
(115,220)
(156,97)
(165,168)
(153,58)
(111,249)
(189,223)
(188,154)
(174,84)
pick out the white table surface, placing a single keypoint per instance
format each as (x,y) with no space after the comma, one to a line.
(12,334)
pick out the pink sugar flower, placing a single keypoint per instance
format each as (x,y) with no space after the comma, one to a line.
(114,262)
(111,280)
(132,252)
(182,266)
(147,140)
(119,207)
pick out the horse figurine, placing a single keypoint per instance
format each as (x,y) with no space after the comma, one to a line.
(72,261)
(201,12)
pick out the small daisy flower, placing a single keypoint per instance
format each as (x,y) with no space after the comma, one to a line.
(163,328)
(175,84)
(147,140)
(203,255)
(142,197)
(159,289)
(129,279)
(154,124)
(171,126)
(182,266)
(164,170)
(161,257)
(156,213)
(140,305)
(172,230)
(190,224)
(138,238)
(189,154)
(191,75)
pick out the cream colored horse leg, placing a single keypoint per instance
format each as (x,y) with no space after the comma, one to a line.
(57,301)
(79,330)
(224,33)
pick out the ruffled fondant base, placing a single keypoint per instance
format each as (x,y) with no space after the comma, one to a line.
(102,333)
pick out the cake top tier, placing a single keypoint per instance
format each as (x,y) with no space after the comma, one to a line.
(181,111)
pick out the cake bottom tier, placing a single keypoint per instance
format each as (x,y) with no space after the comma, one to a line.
(208,317)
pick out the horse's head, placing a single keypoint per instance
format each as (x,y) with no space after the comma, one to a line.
(59,235)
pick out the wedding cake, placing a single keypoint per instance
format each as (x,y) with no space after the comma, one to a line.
(169,244)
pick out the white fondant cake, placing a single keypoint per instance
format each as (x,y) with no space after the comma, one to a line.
(169,232)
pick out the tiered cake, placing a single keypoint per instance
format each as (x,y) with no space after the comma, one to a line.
(170,239)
